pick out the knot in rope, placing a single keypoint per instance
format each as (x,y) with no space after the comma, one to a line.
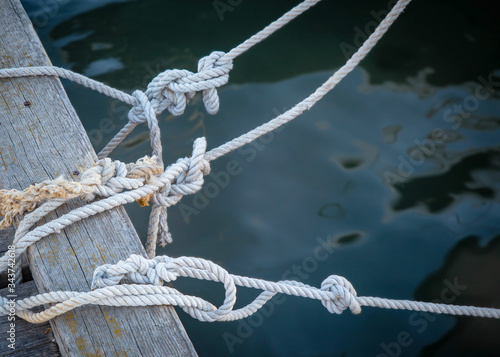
(189,181)
(155,271)
(138,269)
(108,177)
(172,88)
(345,295)
(140,182)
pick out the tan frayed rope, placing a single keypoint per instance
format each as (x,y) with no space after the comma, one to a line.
(118,184)
(105,179)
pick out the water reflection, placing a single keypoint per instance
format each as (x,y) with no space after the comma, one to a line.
(176,34)
(439,191)
(332,211)
(471,269)
(350,238)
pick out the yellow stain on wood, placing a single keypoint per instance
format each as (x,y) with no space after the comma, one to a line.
(94,258)
(113,324)
(104,252)
(50,259)
(74,263)
(81,343)
(70,318)
(55,249)
(8,157)
(83,347)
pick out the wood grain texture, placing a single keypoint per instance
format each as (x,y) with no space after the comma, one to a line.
(6,238)
(46,140)
(31,339)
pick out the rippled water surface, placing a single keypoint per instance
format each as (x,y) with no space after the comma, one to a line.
(392,180)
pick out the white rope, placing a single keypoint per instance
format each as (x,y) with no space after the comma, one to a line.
(336,293)
(312,99)
(72,76)
(270,29)
(171,90)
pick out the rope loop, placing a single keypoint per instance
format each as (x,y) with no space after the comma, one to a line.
(165,269)
(138,269)
(190,180)
(107,178)
(336,293)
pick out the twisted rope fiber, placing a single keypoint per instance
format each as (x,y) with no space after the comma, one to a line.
(336,293)
(72,76)
(104,179)
(171,90)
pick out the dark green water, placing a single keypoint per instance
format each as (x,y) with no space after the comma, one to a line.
(392,180)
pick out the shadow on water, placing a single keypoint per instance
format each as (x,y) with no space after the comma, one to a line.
(439,191)
(113,37)
(466,278)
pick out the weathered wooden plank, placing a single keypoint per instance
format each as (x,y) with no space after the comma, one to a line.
(6,238)
(42,141)
(30,339)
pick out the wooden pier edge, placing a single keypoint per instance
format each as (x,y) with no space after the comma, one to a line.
(43,140)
